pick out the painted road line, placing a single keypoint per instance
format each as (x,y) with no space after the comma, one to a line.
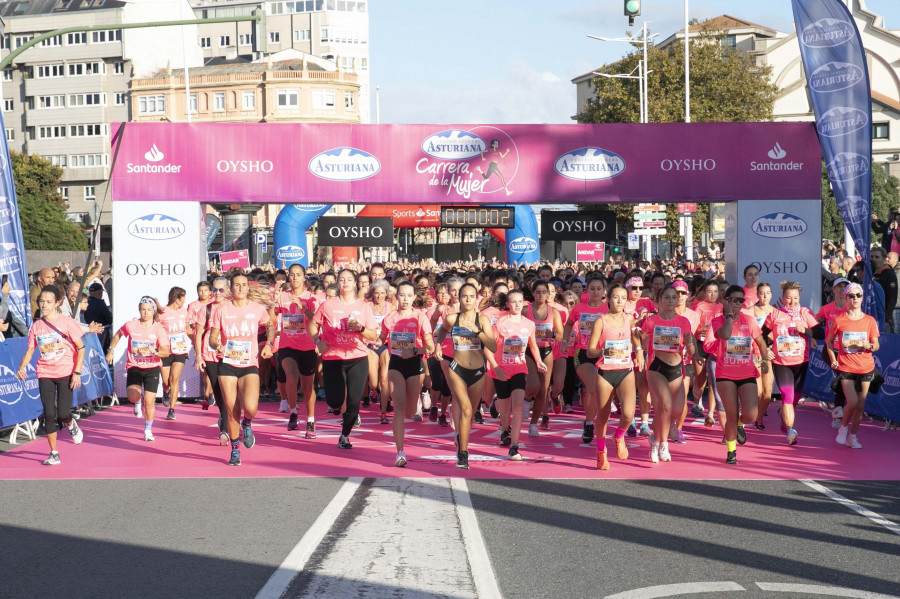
(294,563)
(881,521)
(672,590)
(819,590)
(479,562)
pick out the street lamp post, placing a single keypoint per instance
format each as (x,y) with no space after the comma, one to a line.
(643,69)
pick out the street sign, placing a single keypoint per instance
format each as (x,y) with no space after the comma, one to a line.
(657,231)
(262,239)
(650,208)
(650,224)
(649,216)
(590,252)
(634,242)
(687,208)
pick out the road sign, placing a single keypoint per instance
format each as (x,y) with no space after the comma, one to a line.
(687,208)
(262,239)
(649,216)
(634,241)
(650,224)
(650,208)
(656,231)
(590,252)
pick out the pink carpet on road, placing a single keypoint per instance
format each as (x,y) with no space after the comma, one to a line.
(114,448)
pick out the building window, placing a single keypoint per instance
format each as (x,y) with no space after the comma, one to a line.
(245,39)
(56,40)
(248,100)
(152,104)
(90,193)
(219,101)
(120,98)
(103,37)
(62,191)
(93,130)
(119,67)
(349,100)
(7,105)
(77,69)
(88,160)
(76,39)
(10,135)
(288,98)
(45,71)
(324,37)
(7,74)
(57,160)
(51,132)
(87,100)
(193,102)
(224,41)
(56,101)
(363,64)
(730,42)
(323,98)
(302,35)
(21,40)
(881,130)
(276,8)
(274,37)
(205,42)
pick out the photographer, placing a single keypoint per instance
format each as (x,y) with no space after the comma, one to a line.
(889,231)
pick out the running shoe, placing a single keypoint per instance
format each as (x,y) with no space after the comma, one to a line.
(614,407)
(344,443)
(545,423)
(75,431)
(673,434)
(148,436)
(137,409)
(533,430)
(836,423)
(654,452)
(632,432)
(506,437)
(731,458)
(644,431)
(170,415)
(417,417)
(587,432)
(494,412)
(283,407)
(53,459)
(292,422)
(462,460)
(758,425)
(514,454)
(166,400)
(384,418)
(223,438)
(442,420)
(400,462)
(320,394)
(602,462)
(433,414)
(358,422)
(204,404)
(621,449)
(697,411)
(841,438)
(792,437)
(390,406)
(365,403)
(249,439)
(681,440)
(664,455)
(335,411)
(235,457)
(853,442)
(837,413)
(569,409)
(741,434)
(557,405)
(310,429)
(479,417)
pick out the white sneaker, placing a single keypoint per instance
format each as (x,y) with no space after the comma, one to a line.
(426,400)
(654,453)
(53,460)
(137,410)
(533,430)
(841,438)
(400,462)
(417,417)
(664,454)
(853,443)
(836,423)
(837,412)
(148,436)
(75,431)
(283,407)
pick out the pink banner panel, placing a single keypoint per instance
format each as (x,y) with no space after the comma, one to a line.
(447,164)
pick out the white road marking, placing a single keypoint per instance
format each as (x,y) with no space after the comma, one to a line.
(479,562)
(881,521)
(815,589)
(296,560)
(671,590)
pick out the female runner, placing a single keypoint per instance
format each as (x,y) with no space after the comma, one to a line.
(760,312)
(174,318)
(825,316)
(207,360)
(677,434)
(454,284)
(378,359)
(438,383)
(707,307)
(751,286)
(548,329)
(639,307)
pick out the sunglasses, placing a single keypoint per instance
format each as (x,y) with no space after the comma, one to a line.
(217,290)
(736,300)
(854,295)
(635,287)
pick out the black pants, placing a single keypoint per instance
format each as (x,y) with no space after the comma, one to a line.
(345,379)
(570,381)
(212,371)
(57,400)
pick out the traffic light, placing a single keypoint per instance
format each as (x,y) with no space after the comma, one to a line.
(632,10)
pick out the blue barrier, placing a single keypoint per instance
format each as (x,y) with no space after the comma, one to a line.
(20,401)
(885,403)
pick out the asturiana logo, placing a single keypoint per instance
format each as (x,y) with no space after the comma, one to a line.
(523,244)
(344,164)
(847,166)
(98,365)
(842,120)
(289,252)
(826,33)
(454,144)
(891,385)
(835,76)
(590,164)
(856,208)
(153,155)
(11,389)
(156,227)
(779,225)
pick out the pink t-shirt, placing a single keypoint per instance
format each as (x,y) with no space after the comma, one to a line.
(790,347)
(615,344)
(665,335)
(332,317)
(175,322)
(734,356)
(57,353)
(494,314)
(694,319)
(405,332)
(293,326)
(750,297)
(582,318)
(194,308)
(563,317)
(144,344)
(543,328)
(512,343)
(238,332)
(207,353)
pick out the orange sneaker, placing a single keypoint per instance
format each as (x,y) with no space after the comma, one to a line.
(621,449)
(602,462)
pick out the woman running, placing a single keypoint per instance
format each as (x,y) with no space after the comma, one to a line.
(341,328)
(638,308)
(858,340)
(58,339)
(790,327)
(407,333)
(507,367)
(751,286)
(194,308)
(760,312)
(378,358)
(730,339)
(206,359)
(548,329)
(148,342)
(454,284)
(470,334)
(708,308)
(439,385)
(175,319)
(688,355)
(666,337)
(825,316)
(612,341)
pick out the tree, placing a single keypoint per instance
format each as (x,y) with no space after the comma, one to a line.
(885,195)
(41,209)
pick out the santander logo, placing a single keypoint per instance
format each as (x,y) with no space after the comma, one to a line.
(154,155)
(777,153)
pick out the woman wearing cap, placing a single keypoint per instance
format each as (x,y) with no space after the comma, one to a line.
(148,343)
(856,335)
(760,312)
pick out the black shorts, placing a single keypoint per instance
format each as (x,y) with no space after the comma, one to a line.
(614,377)
(172,358)
(505,388)
(470,376)
(544,351)
(672,373)
(306,359)
(438,383)
(407,367)
(581,358)
(858,379)
(148,378)
(280,376)
(739,382)
(236,371)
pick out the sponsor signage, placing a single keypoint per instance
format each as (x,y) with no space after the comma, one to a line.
(156,227)
(687,208)
(492,217)
(650,224)
(649,208)
(558,225)
(351,231)
(235,259)
(649,216)
(590,252)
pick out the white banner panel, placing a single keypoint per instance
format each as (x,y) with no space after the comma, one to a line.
(156,246)
(782,238)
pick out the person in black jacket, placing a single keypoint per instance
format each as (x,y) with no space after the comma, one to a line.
(98,311)
(887,229)
(887,278)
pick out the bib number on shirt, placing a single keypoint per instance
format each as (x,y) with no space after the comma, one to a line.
(237,353)
(401,342)
(514,350)
(143,351)
(666,339)
(617,352)
(854,343)
(738,350)
(293,324)
(50,346)
(179,344)
(789,346)
(465,339)
(543,332)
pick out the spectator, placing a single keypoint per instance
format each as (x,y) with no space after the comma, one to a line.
(10,326)
(846,265)
(887,278)
(70,308)
(888,229)
(857,275)
(47,276)
(97,311)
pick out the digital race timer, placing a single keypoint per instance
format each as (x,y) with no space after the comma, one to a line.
(489,217)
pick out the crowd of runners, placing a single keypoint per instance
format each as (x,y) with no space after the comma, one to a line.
(458,344)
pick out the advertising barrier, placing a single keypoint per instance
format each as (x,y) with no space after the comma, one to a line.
(235,259)
(559,225)
(355,231)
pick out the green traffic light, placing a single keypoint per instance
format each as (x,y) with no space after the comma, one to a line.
(633,7)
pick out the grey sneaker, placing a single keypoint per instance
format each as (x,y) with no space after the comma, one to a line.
(75,431)
(53,459)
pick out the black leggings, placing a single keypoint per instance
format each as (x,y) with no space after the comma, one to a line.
(57,399)
(570,380)
(345,379)
(212,371)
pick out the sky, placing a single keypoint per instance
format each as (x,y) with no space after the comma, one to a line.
(512,61)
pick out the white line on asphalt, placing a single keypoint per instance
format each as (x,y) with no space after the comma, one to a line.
(671,590)
(479,563)
(815,589)
(294,563)
(894,528)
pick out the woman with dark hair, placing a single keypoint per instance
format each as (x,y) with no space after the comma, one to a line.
(206,359)
(548,329)
(174,318)
(454,284)
(707,308)
(761,311)
(751,282)
(494,157)
(378,296)
(58,339)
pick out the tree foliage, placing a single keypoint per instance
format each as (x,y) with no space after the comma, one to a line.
(41,209)
(885,195)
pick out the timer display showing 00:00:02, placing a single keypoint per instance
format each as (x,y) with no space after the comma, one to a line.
(500,217)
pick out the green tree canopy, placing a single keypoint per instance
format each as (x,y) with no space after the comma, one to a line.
(885,195)
(41,209)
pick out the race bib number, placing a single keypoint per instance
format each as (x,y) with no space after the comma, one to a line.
(854,343)
(402,341)
(617,353)
(543,332)
(465,339)
(514,350)
(179,344)
(378,319)
(237,353)
(50,346)
(586,323)
(738,349)
(789,346)
(143,352)
(293,324)
(667,339)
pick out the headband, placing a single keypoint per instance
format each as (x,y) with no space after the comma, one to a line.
(633,281)
(853,287)
(147,300)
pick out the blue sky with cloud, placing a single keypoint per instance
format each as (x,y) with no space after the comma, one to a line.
(511,61)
